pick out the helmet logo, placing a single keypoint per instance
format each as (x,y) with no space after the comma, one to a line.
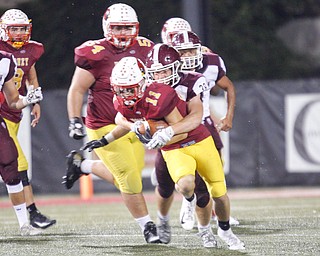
(107,14)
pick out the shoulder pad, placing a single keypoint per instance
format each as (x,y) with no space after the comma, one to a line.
(91,50)
(37,48)
(142,38)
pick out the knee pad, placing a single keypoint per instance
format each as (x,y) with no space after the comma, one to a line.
(166,185)
(14,188)
(165,182)
(166,191)
(24,178)
(10,175)
(203,199)
(203,195)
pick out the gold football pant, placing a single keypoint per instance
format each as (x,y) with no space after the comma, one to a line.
(123,157)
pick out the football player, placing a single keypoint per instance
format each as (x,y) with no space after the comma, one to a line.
(124,158)
(162,67)
(213,70)
(8,150)
(197,150)
(174,25)
(15,33)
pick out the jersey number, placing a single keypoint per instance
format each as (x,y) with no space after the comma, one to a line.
(144,42)
(96,48)
(18,78)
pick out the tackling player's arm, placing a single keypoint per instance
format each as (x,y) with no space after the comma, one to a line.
(166,136)
(193,119)
(195,109)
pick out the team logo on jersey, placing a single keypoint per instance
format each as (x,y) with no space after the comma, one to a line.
(132,52)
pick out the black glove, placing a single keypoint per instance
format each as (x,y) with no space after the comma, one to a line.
(95,144)
(76,128)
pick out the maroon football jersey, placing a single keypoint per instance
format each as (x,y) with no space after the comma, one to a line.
(8,150)
(158,101)
(7,68)
(99,57)
(213,67)
(26,56)
(190,85)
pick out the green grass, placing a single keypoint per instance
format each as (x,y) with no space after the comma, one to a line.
(274,226)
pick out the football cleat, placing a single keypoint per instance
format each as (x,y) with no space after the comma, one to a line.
(74,172)
(233,242)
(187,217)
(38,220)
(164,231)
(28,230)
(233,221)
(208,238)
(150,233)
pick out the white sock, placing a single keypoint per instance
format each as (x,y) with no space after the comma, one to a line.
(86,166)
(142,221)
(21,212)
(161,217)
(203,228)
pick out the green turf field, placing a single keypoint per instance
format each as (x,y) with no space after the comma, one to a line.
(274,225)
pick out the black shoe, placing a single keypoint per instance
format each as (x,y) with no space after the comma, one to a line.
(150,233)
(74,172)
(38,220)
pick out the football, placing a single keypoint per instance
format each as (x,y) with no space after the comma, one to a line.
(154,125)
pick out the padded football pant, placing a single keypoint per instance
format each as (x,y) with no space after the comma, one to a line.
(202,157)
(123,157)
(166,185)
(13,131)
(8,157)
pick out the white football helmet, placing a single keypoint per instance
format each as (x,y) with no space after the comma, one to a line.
(15,19)
(128,80)
(120,15)
(171,27)
(188,44)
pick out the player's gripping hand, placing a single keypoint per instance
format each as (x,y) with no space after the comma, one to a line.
(76,128)
(95,144)
(142,131)
(33,95)
(161,138)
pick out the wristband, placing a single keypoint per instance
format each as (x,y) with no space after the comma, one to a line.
(108,138)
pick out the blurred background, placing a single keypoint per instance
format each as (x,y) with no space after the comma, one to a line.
(268,39)
(271,49)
